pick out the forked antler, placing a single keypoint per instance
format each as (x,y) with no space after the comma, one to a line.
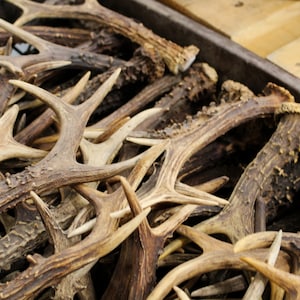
(275,154)
(33,232)
(92,248)
(197,136)
(61,160)
(50,55)
(250,186)
(217,255)
(290,242)
(176,58)
(145,245)
(289,282)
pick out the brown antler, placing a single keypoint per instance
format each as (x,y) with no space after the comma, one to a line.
(175,57)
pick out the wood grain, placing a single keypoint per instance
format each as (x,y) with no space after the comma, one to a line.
(263,27)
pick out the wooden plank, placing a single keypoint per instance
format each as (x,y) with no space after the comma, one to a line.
(288,57)
(228,16)
(273,32)
(260,26)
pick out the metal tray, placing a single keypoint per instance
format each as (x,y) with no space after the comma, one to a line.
(229,59)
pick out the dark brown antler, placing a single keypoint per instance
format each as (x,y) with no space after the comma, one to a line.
(197,136)
(48,271)
(50,55)
(250,186)
(176,58)
(275,154)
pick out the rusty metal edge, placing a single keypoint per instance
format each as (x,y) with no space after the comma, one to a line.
(230,59)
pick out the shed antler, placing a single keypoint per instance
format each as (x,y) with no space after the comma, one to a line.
(61,160)
(176,58)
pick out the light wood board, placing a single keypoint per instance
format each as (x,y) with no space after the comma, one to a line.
(288,57)
(262,26)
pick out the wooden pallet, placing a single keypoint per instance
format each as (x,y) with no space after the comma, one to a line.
(269,28)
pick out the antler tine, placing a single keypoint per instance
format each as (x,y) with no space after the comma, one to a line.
(53,229)
(289,282)
(91,104)
(111,146)
(210,261)
(17,65)
(113,143)
(39,43)
(172,223)
(156,197)
(45,66)
(181,294)
(71,283)
(217,255)
(269,157)
(50,55)
(69,115)
(99,160)
(53,101)
(222,223)
(136,175)
(79,87)
(255,107)
(145,251)
(89,250)
(258,284)
(31,11)
(109,150)
(8,145)
(267,160)
(7,49)
(143,98)
(176,57)
(46,118)
(131,198)
(135,178)
(204,241)
(62,110)
(198,137)
(290,241)
(28,235)
(73,123)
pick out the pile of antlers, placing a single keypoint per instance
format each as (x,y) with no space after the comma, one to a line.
(129,172)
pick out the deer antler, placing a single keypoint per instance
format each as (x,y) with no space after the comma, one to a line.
(61,159)
(197,136)
(176,58)
(9,148)
(78,256)
(216,255)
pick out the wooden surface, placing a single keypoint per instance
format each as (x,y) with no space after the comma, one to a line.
(270,28)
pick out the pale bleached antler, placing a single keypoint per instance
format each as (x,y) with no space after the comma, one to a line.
(9,147)
(289,282)
(217,255)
